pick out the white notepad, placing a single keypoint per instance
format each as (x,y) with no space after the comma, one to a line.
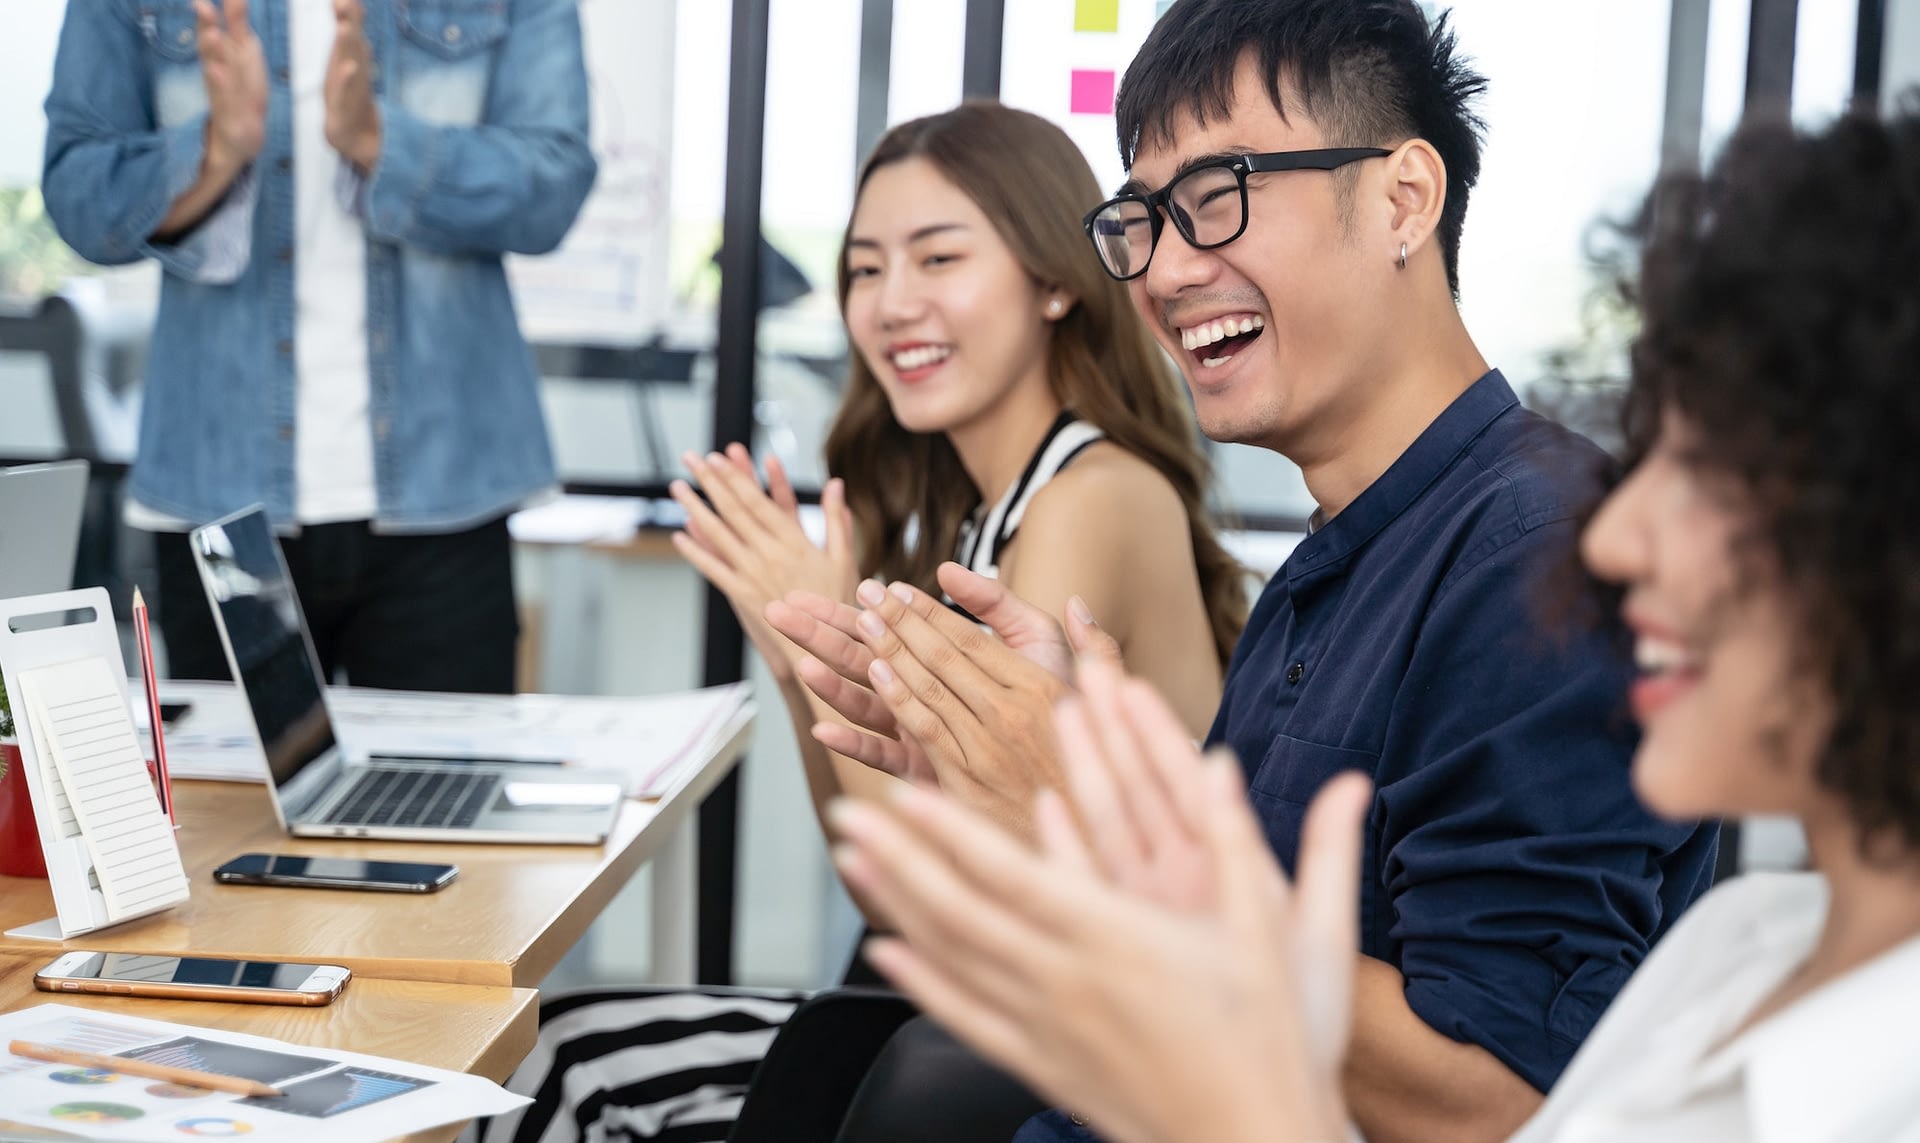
(100,784)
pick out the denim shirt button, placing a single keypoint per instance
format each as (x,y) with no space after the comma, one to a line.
(286,432)
(452,34)
(380,428)
(1295,673)
(286,347)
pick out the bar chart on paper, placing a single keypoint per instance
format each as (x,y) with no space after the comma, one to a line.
(338,1092)
(199,1055)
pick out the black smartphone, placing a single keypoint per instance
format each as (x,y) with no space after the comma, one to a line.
(335,873)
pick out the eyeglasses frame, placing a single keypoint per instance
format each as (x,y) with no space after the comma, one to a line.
(1159,203)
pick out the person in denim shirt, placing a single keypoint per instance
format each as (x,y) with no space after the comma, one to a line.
(329,190)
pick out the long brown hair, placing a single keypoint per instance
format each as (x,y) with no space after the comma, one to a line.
(908,492)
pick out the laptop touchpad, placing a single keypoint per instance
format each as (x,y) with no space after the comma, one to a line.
(555,795)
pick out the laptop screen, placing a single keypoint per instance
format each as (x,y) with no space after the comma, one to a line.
(40,510)
(252,595)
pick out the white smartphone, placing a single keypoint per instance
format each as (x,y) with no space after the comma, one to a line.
(194,978)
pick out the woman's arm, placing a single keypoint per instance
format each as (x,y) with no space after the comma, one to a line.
(1111,530)
(747,541)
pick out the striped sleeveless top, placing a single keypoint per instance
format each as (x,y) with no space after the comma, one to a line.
(991,529)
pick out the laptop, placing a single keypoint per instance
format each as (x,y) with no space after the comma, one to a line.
(319,789)
(40,510)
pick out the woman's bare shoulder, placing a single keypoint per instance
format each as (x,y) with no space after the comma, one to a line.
(1107,486)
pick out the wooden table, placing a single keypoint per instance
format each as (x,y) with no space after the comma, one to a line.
(485,1031)
(505,922)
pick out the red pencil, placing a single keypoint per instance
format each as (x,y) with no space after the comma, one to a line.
(144,636)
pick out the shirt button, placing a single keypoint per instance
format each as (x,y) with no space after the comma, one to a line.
(286,253)
(286,347)
(1295,673)
(282,74)
(186,36)
(284,162)
(452,34)
(286,432)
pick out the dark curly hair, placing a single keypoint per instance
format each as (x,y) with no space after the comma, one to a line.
(1781,302)
(1370,73)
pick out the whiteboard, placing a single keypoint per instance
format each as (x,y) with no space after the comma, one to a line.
(608,282)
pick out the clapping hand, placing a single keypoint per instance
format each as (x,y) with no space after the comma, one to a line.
(748,542)
(932,698)
(1149,966)
(353,119)
(234,69)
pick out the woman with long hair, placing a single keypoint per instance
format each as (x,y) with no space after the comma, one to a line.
(1766,545)
(1005,409)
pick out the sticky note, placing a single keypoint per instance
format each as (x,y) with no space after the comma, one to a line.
(1096,15)
(1092,93)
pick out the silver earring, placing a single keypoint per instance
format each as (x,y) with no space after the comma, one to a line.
(1403,255)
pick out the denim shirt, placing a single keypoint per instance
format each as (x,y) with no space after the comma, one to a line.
(1509,873)
(484,151)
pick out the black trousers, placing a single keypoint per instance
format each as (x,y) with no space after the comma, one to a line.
(413,612)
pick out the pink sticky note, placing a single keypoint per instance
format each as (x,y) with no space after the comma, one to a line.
(1092,93)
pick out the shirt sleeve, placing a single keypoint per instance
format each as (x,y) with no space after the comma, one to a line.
(1525,881)
(110,175)
(515,182)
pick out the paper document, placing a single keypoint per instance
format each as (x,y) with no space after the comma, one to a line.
(81,722)
(339,1097)
(651,739)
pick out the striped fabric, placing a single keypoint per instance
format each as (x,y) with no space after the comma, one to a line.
(651,1064)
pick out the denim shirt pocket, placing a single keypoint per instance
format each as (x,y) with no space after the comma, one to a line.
(453,29)
(173,46)
(446,57)
(170,30)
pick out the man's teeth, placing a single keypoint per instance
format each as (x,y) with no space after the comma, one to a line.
(1657,656)
(1205,334)
(921,356)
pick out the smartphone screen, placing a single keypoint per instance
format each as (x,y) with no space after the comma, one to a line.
(193,978)
(133,968)
(335,872)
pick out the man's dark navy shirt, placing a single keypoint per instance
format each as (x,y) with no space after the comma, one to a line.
(1509,873)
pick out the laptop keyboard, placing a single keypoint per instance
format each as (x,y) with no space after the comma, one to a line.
(429,799)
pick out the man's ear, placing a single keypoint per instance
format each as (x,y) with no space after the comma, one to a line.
(1417,193)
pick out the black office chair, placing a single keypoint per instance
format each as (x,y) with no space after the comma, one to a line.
(802,1089)
(861,1065)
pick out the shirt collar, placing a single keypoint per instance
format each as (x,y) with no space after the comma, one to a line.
(1401,485)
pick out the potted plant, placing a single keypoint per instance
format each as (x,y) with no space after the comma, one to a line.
(20,854)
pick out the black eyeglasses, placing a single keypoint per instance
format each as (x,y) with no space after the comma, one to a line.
(1208,205)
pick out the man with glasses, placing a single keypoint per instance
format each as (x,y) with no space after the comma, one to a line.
(1290,230)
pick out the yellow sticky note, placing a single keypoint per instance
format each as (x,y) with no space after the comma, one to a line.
(1096,15)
